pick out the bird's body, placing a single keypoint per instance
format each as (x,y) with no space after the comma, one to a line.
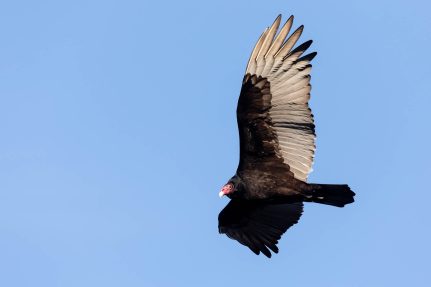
(277,143)
(265,182)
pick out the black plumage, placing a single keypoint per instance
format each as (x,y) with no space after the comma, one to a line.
(277,135)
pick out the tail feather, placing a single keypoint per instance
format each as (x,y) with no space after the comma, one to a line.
(332,194)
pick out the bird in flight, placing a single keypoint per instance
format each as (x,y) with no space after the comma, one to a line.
(277,144)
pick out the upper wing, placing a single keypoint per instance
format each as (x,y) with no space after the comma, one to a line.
(257,224)
(274,119)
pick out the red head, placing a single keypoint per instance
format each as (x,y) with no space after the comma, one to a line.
(226,189)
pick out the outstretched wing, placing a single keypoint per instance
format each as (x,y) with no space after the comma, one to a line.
(258,224)
(274,119)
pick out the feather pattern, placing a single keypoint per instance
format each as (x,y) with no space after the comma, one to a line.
(288,73)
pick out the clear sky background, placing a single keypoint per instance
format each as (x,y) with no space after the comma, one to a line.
(118,129)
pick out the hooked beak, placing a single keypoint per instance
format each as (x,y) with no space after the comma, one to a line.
(221,194)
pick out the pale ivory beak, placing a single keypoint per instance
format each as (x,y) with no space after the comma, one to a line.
(221,194)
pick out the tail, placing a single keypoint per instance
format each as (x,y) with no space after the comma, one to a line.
(332,194)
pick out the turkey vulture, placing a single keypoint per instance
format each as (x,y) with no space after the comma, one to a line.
(277,143)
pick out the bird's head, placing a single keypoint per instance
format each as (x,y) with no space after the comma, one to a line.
(232,188)
(227,189)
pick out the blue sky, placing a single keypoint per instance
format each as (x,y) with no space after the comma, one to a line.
(118,129)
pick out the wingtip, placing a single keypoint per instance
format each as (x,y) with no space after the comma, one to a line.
(310,57)
(267,253)
(303,47)
(276,22)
